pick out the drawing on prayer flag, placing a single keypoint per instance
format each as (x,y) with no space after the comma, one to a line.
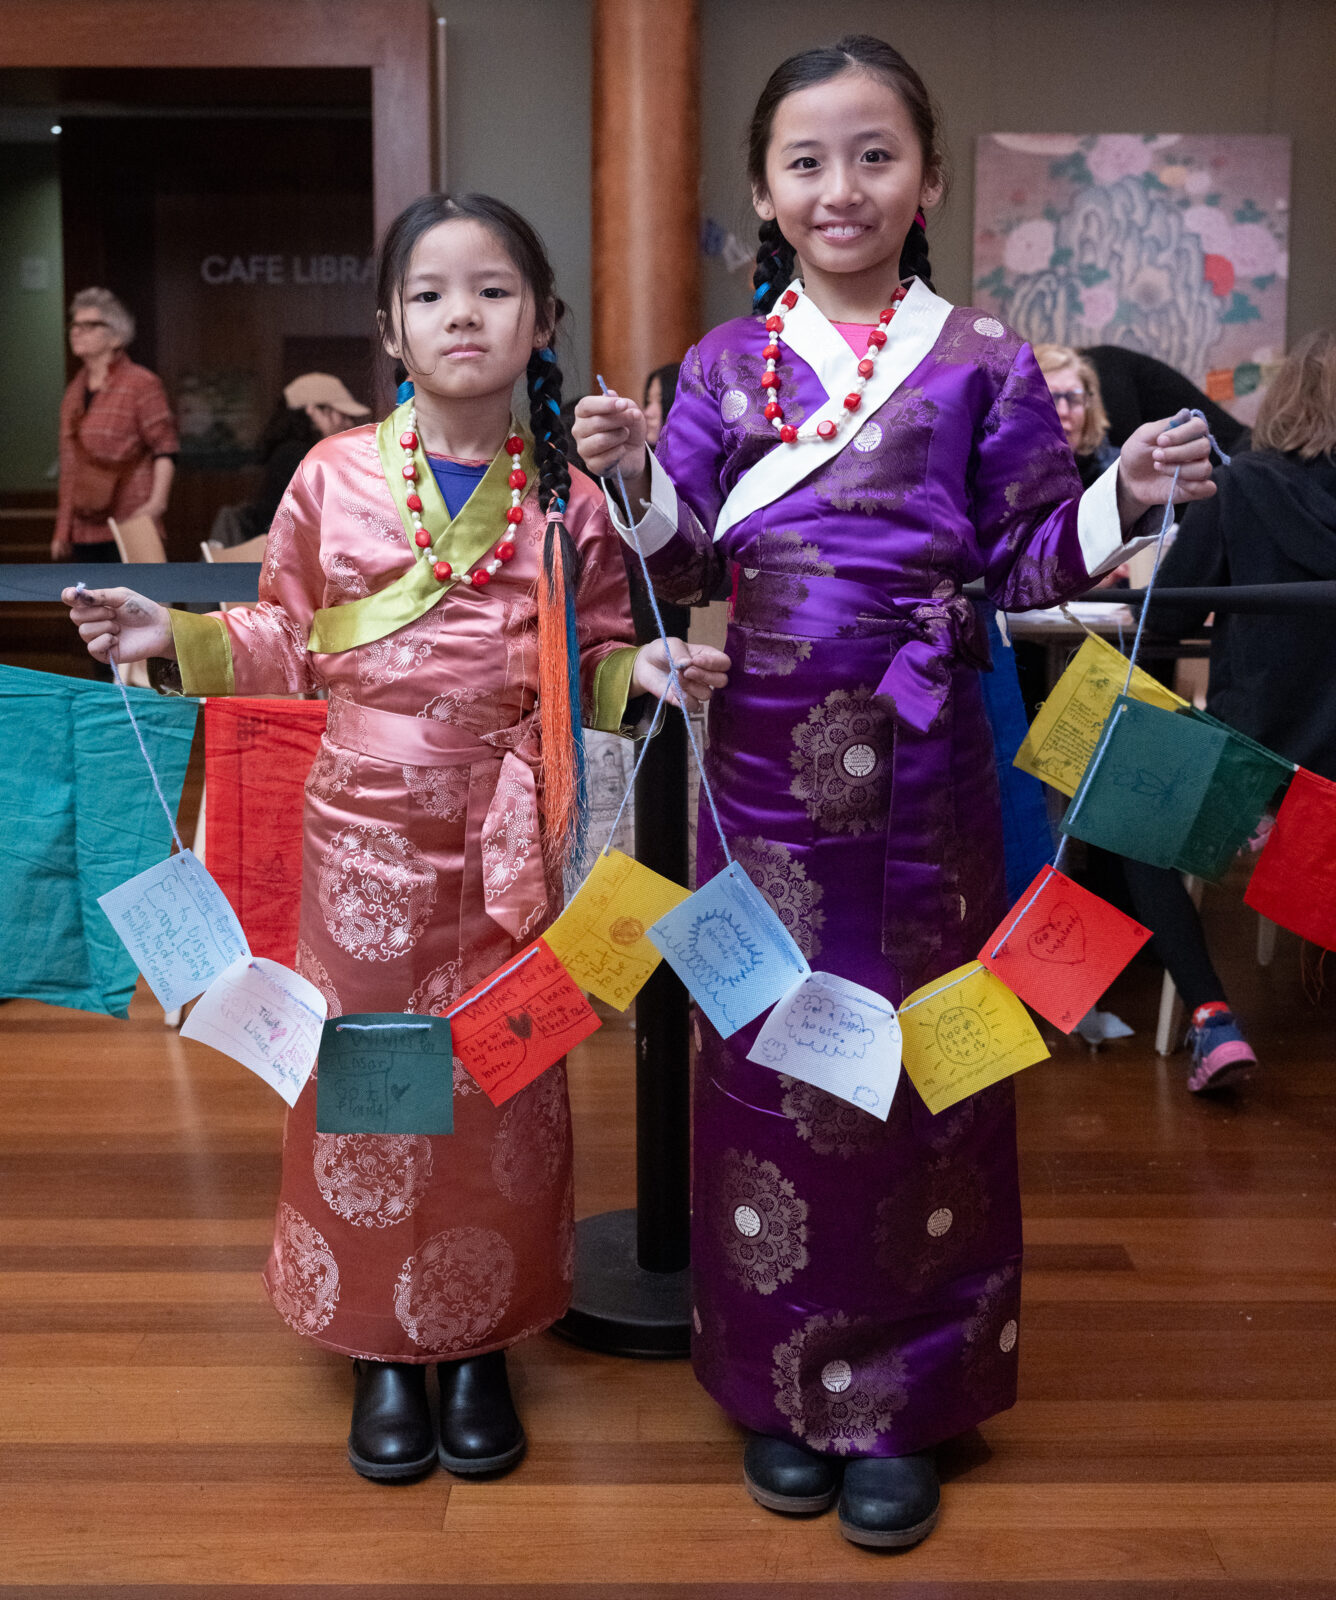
(730,949)
(264,1016)
(837,1035)
(1063,948)
(1067,727)
(1174,791)
(385,1072)
(963,1032)
(1294,881)
(600,938)
(519,1022)
(176,923)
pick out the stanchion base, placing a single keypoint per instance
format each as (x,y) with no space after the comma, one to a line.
(618,1307)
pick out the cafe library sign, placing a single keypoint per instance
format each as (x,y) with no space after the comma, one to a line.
(276,271)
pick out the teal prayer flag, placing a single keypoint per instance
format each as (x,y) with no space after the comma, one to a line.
(78,816)
(1173,790)
(385,1072)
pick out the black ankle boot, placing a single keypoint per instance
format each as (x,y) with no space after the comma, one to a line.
(391,1435)
(782,1475)
(480,1430)
(890,1501)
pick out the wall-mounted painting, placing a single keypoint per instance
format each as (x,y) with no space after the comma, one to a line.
(1174,244)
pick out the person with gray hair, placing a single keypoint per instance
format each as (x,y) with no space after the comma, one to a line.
(118,439)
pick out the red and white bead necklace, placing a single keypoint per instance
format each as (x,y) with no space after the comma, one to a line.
(770,380)
(484,571)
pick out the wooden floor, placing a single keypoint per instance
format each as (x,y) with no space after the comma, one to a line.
(165,1434)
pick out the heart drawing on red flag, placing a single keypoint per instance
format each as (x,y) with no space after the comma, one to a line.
(1061,938)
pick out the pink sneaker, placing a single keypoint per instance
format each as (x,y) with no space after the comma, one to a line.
(1220,1053)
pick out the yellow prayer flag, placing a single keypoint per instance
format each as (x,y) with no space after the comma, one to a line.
(600,937)
(962,1032)
(1064,734)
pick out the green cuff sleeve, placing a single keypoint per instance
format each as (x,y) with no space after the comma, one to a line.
(203,653)
(612,685)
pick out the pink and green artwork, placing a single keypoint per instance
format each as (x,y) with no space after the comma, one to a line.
(1172,244)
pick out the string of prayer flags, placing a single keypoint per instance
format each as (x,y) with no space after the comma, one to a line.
(1062,949)
(76,820)
(264,1016)
(385,1072)
(519,1022)
(837,1035)
(1294,881)
(1067,727)
(177,925)
(730,949)
(600,938)
(257,757)
(1173,791)
(963,1032)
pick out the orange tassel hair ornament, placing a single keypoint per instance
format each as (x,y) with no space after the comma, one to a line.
(565,796)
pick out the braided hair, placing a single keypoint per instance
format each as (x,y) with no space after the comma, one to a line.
(775,256)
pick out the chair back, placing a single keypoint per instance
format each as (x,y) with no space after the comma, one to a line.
(137,539)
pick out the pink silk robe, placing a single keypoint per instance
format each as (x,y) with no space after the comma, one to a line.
(404,1247)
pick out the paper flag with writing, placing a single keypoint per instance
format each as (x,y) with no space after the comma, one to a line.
(837,1035)
(1294,881)
(176,923)
(265,1017)
(962,1032)
(1173,791)
(600,937)
(1061,947)
(519,1022)
(385,1072)
(1064,733)
(730,949)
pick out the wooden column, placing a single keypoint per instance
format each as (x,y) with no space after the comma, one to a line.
(646,173)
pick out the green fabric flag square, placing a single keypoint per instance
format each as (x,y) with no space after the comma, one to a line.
(78,817)
(1173,790)
(385,1072)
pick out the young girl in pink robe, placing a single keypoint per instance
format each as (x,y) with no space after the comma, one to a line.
(434,834)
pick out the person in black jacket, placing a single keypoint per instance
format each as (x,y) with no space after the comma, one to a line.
(310,409)
(1137,387)
(1272,521)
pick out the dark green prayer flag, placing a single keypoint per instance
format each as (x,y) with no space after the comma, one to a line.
(78,817)
(385,1072)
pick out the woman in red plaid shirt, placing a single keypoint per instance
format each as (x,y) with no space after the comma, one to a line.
(118,438)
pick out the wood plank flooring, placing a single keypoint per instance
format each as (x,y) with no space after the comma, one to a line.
(165,1435)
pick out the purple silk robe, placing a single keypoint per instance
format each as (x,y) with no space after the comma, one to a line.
(857,1283)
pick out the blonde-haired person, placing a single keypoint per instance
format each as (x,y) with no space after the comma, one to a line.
(118,439)
(1272,521)
(1075,389)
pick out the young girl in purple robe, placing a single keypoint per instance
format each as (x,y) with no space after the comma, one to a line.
(849,457)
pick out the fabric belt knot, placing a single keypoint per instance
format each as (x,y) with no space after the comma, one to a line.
(918,680)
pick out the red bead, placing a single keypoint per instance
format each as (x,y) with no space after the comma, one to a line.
(774,324)
(789,298)
(877,337)
(825,430)
(518,479)
(422,538)
(410,472)
(481,578)
(788,433)
(444,571)
(505,551)
(852,402)
(887,314)
(770,380)
(514,445)
(514,515)
(408,440)
(866,368)
(414,502)
(774,412)
(771,352)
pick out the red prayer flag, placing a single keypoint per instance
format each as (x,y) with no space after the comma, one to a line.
(519,1022)
(1294,881)
(1062,949)
(257,754)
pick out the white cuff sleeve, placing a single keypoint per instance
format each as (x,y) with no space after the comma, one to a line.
(659,522)
(1100,528)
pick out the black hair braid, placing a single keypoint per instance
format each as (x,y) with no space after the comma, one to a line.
(551,447)
(776,263)
(914,261)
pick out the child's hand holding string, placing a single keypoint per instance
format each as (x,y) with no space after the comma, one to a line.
(1148,461)
(610,432)
(120,620)
(701,669)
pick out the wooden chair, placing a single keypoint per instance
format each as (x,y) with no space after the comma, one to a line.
(138,539)
(247,550)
